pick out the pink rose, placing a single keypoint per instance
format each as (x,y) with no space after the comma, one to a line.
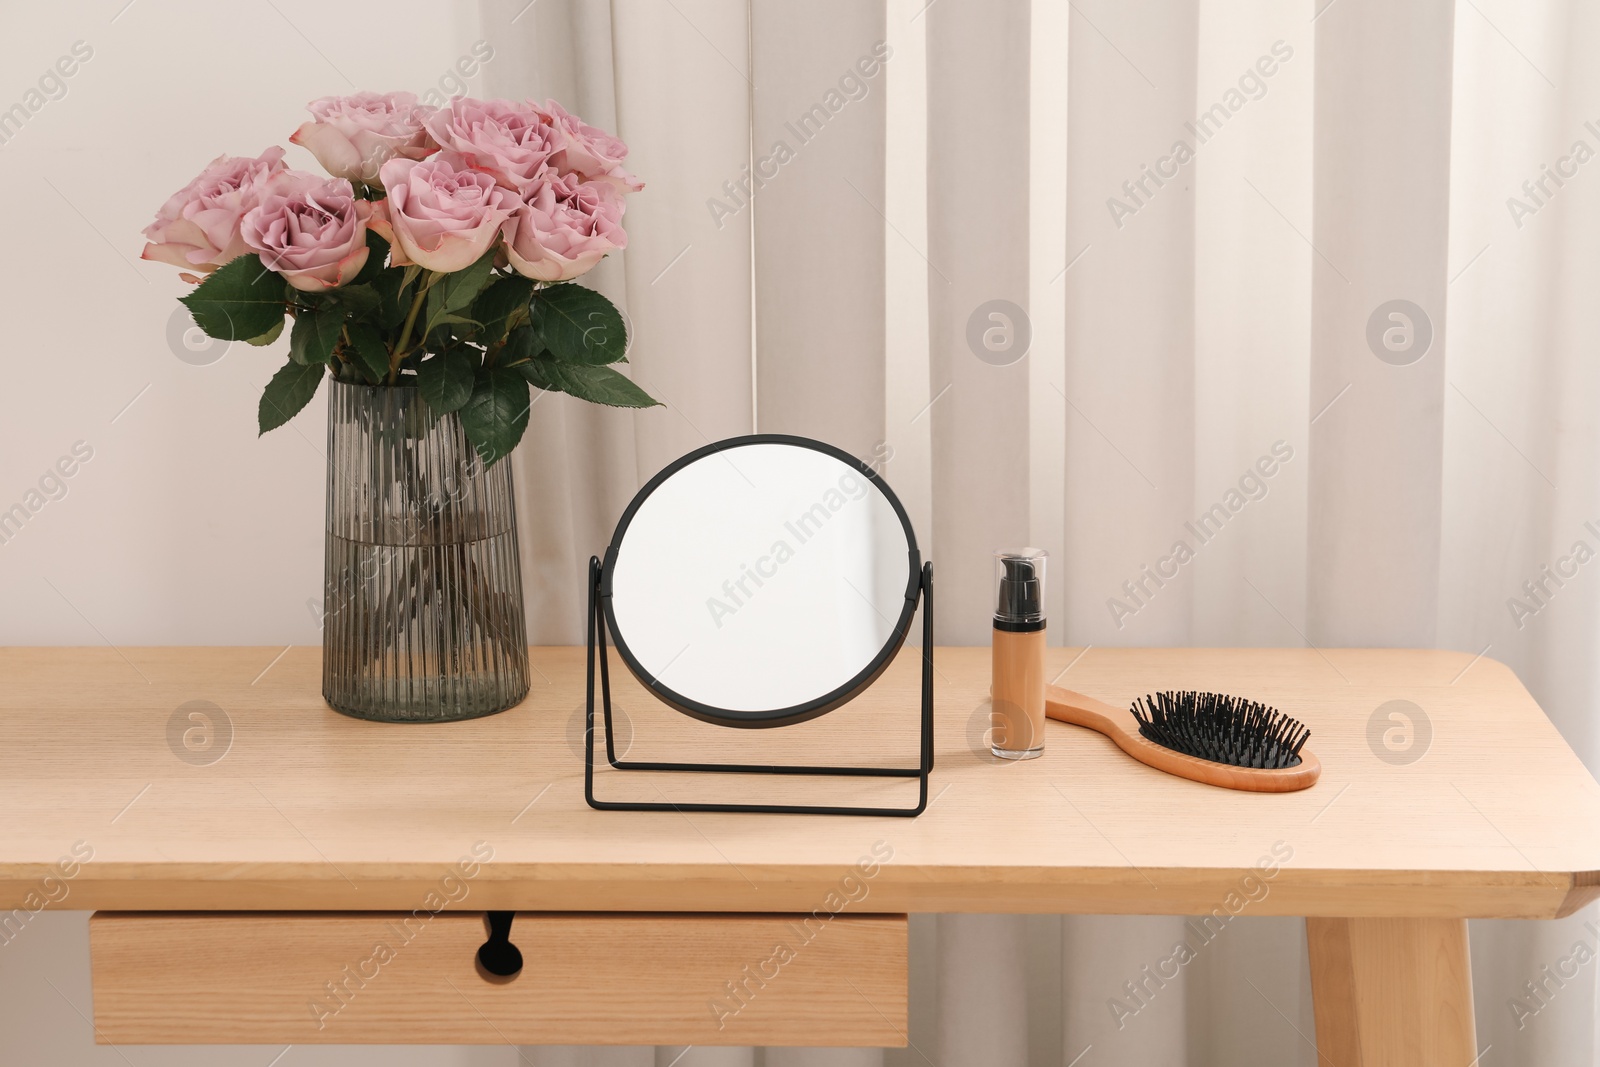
(198,226)
(587,151)
(311,230)
(439,214)
(510,141)
(353,136)
(564,227)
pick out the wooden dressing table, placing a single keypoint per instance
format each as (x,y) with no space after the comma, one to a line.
(266,870)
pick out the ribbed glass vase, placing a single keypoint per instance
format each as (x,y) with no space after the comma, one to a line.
(422,612)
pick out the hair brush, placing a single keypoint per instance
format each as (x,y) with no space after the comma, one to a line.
(1205,737)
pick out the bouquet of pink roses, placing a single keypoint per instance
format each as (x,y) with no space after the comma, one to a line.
(434,256)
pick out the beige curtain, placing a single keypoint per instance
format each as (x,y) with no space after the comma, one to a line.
(1202,214)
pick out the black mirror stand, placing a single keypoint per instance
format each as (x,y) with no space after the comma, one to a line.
(597,651)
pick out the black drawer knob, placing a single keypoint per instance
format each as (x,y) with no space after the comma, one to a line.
(497,956)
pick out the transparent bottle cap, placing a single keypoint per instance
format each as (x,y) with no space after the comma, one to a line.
(1019,584)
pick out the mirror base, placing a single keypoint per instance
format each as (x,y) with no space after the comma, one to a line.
(597,654)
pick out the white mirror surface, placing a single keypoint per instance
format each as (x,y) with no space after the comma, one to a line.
(760,577)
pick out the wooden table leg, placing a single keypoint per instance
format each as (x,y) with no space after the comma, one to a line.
(1392,992)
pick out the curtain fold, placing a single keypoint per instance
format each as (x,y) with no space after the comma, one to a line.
(1246,194)
(1522,443)
(1252,319)
(1129,390)
(683,107)
(977,277)
(1379,232)
(983,989)
(817,180)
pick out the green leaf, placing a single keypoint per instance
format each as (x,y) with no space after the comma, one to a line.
(392,308)
(521,344)
(457,290)
(451,334)
(268,337)
(445,380)
(598,385)
(357,299)
(496,415)
(290,390)
(540,374)
(578,325)
(497,305)
(370,351)
(314,335)
(377,259)
(238,301)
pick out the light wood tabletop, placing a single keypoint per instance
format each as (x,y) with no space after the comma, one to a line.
(217,779)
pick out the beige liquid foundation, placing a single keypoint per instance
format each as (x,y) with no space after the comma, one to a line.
(1017,716)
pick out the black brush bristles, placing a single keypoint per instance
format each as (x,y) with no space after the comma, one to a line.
(1222,729)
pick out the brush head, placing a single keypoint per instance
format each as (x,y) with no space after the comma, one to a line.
(1221,728)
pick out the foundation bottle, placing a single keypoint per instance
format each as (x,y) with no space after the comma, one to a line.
(1017,717)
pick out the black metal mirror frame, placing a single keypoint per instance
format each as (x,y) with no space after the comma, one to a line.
(919,587)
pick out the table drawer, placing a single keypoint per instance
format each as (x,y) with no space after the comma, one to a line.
(412,978)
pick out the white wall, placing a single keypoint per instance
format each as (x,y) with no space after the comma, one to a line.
(182,527)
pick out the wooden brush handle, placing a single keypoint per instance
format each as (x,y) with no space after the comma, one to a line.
(1120,725)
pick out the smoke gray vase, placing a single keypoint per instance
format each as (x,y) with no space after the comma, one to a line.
(422,612)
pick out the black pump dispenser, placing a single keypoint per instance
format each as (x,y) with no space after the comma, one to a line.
(1020,606)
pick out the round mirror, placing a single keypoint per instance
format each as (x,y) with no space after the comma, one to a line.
(761,581)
